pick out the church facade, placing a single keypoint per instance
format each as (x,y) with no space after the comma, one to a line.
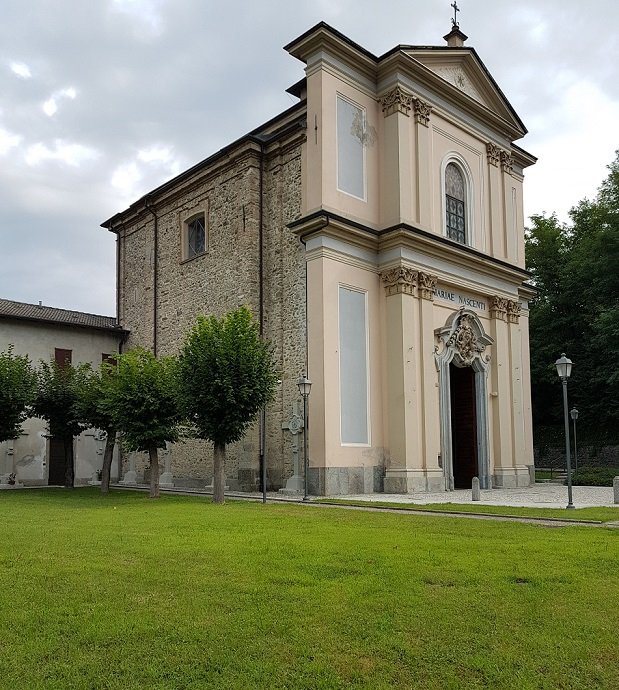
(376,231)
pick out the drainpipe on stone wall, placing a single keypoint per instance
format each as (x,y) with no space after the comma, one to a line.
(118,278)
(155,248)
(262,424)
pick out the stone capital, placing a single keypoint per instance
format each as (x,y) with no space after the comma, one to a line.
(506,162)
(400,280)
(494,154)
(498,308)
(513,311)
(427,284)
(396,101)
(422,111)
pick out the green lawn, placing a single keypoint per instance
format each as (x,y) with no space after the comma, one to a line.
(597,514)
(125,592)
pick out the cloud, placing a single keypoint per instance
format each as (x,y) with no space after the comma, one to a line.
(8,141)
(148,13)
(50,107)
(104,101)
(21,69)
(62,152)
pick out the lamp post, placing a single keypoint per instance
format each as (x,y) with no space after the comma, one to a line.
(574,416)
(564,369)
(304,385)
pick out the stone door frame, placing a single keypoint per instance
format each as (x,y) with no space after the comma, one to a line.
(464,343)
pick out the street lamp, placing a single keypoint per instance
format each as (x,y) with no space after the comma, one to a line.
(574,416)
(304,385)
(564,369)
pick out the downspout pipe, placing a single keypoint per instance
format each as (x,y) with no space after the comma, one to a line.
(149,208)
(118,278)
(262,425)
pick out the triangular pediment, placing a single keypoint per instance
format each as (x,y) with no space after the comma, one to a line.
(462,69)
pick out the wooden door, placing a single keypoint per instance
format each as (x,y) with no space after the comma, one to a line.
(463,426)
(56,462)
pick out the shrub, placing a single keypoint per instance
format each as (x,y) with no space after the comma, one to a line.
(595,476)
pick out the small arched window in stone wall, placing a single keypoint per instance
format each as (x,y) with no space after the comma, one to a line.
(455,203)
(194,240)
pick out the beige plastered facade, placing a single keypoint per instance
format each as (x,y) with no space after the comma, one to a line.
(286,240)
(28,456)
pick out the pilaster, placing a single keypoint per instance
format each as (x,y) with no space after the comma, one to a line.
(515,347)
(403,429)
(502,423)
(429,392)
(423,162)
(411,395)
(495,199)
(397,178)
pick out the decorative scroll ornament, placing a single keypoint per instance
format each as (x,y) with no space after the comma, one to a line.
(396,101)
(295,424)
(513,311)
(506,162)
(422,111)
(400,279)
(427,285)
(464,340)
(494,154)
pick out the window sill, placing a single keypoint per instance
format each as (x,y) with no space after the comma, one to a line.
(193,258)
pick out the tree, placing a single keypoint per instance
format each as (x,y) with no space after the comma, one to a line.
(93,406)
(55,400)
(576,311)
(227,375)
(18,385)
(143,405)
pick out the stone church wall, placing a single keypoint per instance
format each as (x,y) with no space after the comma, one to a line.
(223,278)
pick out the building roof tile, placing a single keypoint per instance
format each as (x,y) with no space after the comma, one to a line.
(62,317)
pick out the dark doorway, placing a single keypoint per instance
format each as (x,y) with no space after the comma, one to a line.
(463,425)
(56,462)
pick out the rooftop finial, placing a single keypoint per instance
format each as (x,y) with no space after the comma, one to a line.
(455,38)
(454,21)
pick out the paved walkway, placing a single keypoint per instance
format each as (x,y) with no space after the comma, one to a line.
(537,496)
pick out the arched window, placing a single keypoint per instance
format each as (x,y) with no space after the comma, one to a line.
(455,203)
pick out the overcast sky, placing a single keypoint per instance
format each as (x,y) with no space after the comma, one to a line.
(103,100)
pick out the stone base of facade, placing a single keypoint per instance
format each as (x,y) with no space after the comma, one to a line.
(511,477)
(413,481)
(333,481)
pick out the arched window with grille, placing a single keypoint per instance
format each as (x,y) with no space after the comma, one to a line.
(455,203)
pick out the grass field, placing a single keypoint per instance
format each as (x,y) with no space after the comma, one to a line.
(596,514)
(124,592)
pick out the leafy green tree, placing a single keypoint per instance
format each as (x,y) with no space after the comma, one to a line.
(18,385)
(55,402)
(575,269)
(93,406)
(142,402)
(227,375)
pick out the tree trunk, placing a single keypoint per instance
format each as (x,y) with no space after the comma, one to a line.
(154,472)
(69,469)
(108,454)
(219,472)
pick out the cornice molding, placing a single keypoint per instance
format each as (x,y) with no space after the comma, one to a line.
(406,236)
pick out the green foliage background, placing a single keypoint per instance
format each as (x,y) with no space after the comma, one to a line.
(575,267)
(18,383)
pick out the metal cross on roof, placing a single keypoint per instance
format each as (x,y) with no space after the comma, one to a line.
(454,4)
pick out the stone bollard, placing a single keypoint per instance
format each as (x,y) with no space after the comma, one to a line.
(476,494)
(616,489)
